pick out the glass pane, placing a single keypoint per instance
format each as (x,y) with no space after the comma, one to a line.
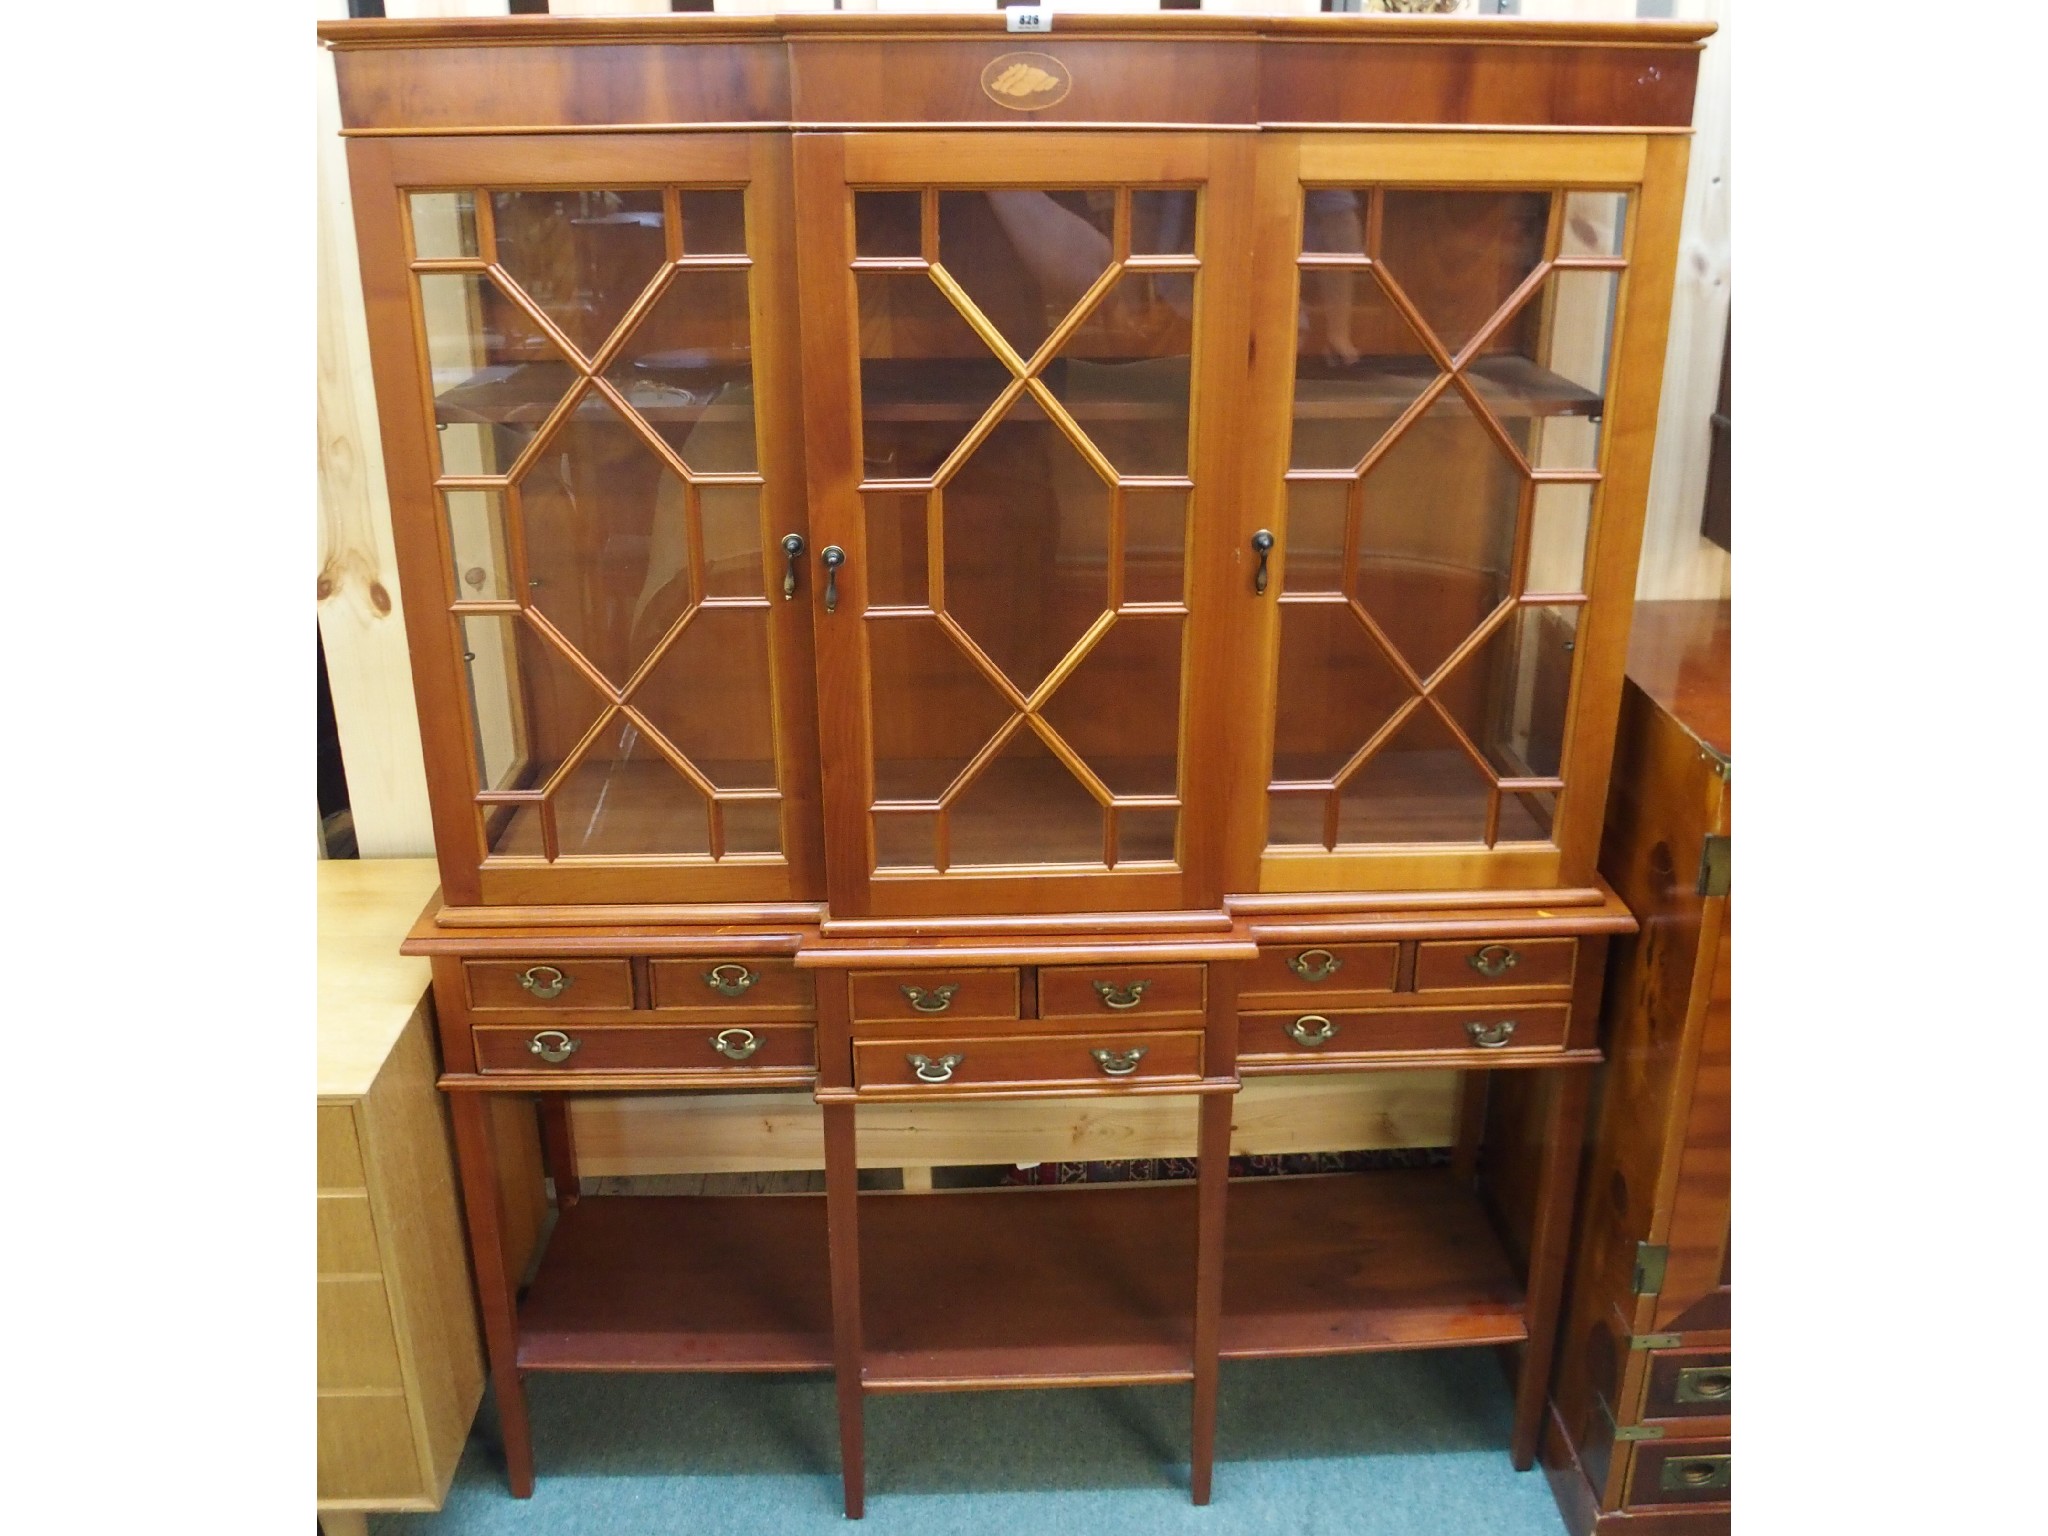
(1437,533)
(896,550)
(1420,787)
(752,826)
(1120,708)
(732,540)
(582,257)
(496,376)
(1458,255)
(1333,221)
(1163,222)
(1557,538)
(1123,375)
(1336,689)
(907,840)
(1027,546)
(476,538)
(715,223)
(1313,551)
(1145,834)
(886,223)
(931,710)
(528,706)
(606,529)
(1155,539)
(712,696)
(1294,818)
(925,377)
(1357,367)
(688,368)
(1026,257)
(1512,695)
(1026,807)
(624,798)
(1577,311)
(1594,223)
(443,226)
(1527,817)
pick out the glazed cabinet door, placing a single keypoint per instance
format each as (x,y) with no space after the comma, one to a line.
(1019,355)
(1458,349)
(586,375)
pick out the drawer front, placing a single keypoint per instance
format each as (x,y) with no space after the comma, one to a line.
(339,1160)
(1340,1033)
(734,1048)
(549,984)
(1688,1384)
(720,984)
(1318,975)
(898,996)
(1120,992)
(366,1450)
(358,1350)
(346,1236)
(1679,1472)
(1461,964)
(1063,1060)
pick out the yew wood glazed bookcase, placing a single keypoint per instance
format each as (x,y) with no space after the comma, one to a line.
(949,565)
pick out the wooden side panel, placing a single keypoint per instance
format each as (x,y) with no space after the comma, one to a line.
(1695,1293)
(522,1198)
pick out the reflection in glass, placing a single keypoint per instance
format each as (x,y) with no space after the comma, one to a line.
(1594,223)
(1333,221)
(443,226)
(1313,552)
(1123,374)
(476,541)
(688,370)
(715,223)
(1557,538)
(886,223)
(732,540)
(493,370)
(1459,255)
(583,257)
(1026,257)
(925,377)
(623,797)
(1163,222)
(1358,366)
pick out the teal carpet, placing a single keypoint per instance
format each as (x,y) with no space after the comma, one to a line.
(1381,1445)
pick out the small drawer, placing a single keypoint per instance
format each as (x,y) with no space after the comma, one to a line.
(895,996)
(1688,1384)
(720,984)
(358,1350)
(549,984)
(1678,1472)
(337,1157)
(1103,992)
(1461,964)
(346,1236)
(645,1048)
(1340,1033)
(1080,1061)
(1318,974)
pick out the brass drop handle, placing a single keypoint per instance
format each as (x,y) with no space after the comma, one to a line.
(729,980)
(1494,961)
(1490,1037)
(736,1044)
(1119,1063)
(1121,995)
(1704,1384)
(834,557)
(1262,546)
(792,549)
(552,1046)
(1314,964)
(1312,1030)
(937,1000)
(929,1071)
(1685,1474)
(544,981)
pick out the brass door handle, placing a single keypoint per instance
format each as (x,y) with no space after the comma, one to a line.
(736,1044)
(544,981)
(792,550)
(1121,995)
(1312,1030)
(938,1000)
(729,980)
(1490,1037)
(834,557)
(1314,964)
(1495,960)
(929,1071)
(1119,1063)
(552,1046)
(1262,546)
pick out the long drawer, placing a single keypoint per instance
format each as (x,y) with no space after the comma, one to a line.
(1067,1060)
(571,1049)
(1343,1034)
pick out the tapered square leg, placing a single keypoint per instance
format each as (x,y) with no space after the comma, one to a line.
(842,1221)
(1212,1180)
(497,1290)
(1549,1244)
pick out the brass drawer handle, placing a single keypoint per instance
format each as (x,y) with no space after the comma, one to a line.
(1314,964)
(1312,1030)
(736,1044)
(1692,1474)
(929,1071)
(1127,995)
(1494,961)
(1703,1384)
(1490,1037)
(544,981)
(729,980)
(1119,1063)
(552,1046)
(938,1000)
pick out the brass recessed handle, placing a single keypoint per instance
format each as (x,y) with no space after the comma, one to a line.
(729,980)
(1704,1384)
(1314,964)
(834,557)
(544,981)
(552,1046)
(736,1044)
(1119,1063)
(1121,995)
(1494,961)
(937,1000)
(792,550)
(1312,1030)
(1490,1037)
(1262,546)
(929,1071)
(1691,1474)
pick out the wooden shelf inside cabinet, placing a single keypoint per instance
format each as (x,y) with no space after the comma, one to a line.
(1345,1263)
(1511,386)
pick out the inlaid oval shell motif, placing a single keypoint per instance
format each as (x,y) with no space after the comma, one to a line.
(1026,81)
